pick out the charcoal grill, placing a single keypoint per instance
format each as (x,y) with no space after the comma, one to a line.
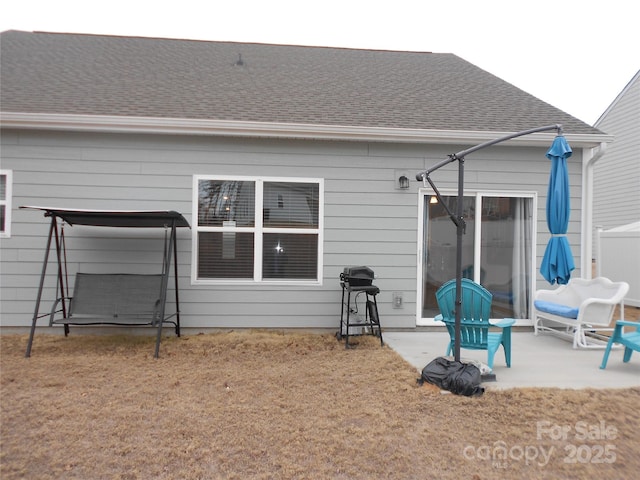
(355,282)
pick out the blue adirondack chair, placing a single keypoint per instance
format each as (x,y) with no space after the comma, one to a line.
(630,341)
(474,320)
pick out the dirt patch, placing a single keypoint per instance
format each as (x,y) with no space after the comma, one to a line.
(267,405)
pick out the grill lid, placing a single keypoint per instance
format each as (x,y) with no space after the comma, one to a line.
(357,275)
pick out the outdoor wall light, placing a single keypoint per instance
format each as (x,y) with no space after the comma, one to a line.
(401,179)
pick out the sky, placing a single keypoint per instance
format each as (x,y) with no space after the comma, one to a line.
(576,55)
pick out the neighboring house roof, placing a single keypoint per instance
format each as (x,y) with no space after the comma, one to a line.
(75,74)
(618,98)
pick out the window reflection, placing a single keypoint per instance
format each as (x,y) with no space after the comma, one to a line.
(222,201)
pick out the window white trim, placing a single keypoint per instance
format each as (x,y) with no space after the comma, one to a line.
(7,202)
(478,195)
(259,230)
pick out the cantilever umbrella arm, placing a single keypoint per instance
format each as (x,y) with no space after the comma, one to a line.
(458,218)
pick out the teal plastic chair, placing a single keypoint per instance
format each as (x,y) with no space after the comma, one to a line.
(630,341)
(474,320)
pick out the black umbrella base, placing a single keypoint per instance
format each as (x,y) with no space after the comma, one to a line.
(488,377)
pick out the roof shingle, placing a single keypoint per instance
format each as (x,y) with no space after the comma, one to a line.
(151,77)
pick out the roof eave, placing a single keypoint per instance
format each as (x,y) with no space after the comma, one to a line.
(191,126)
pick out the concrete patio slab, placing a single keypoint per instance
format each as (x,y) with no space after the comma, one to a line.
(536,361)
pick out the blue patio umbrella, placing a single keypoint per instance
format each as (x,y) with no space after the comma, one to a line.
(557,263)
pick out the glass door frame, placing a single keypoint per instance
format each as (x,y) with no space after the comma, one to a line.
(478,195)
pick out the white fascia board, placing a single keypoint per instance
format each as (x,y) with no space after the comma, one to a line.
(188,126)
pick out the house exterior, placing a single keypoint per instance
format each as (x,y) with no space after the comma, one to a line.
(616,181)
(616,192)
(286,161)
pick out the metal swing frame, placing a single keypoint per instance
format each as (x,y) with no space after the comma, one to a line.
(169,220)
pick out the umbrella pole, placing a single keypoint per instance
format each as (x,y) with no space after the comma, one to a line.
(460,229)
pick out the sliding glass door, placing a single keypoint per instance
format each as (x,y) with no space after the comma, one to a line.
(497,250)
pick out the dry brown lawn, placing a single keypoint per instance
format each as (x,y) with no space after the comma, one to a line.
(274,405)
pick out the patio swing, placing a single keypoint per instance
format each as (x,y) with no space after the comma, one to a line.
(124,299)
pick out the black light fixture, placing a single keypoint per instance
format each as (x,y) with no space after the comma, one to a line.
(403,182)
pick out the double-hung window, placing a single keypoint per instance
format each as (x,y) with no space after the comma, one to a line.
(5,203)
(251,229)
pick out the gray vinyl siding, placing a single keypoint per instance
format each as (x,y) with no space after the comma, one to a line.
(616,179)
(367,220)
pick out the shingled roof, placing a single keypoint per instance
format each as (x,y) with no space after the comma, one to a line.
(164,78)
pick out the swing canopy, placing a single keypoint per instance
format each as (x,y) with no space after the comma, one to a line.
(116,218)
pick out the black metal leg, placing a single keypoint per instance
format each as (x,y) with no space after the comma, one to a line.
(346,336)
(339,333)
(32,331)
(375,318)
(175,277)
(158,338)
